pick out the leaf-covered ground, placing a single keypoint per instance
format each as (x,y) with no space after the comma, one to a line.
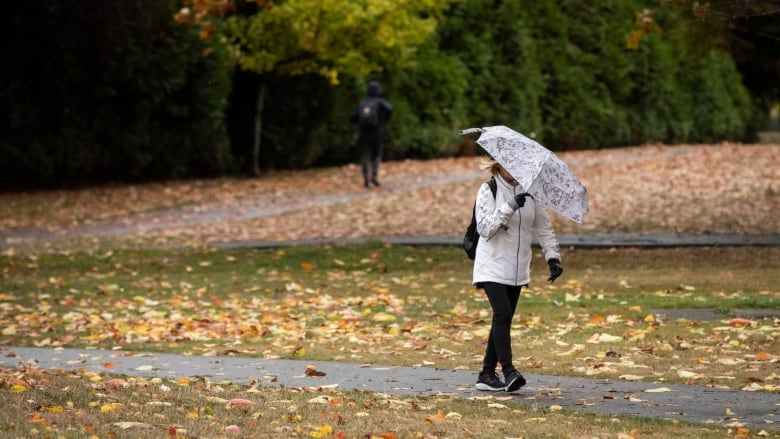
(707,189)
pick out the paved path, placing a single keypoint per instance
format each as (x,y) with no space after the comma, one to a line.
(579,241)
(754,410)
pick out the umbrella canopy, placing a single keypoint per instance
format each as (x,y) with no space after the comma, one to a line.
(537,169)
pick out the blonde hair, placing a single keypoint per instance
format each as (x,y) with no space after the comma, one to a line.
(490,165)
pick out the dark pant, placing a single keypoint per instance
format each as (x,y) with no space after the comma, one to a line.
(370,157)
(503,300)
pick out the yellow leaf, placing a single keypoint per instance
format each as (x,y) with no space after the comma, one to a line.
(649,318)
(193,414)
(53,408)
(383,317)
(10,330)
(323,431)
(18,388)
(111,406)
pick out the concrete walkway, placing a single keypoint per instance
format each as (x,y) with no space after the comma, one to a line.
(579,241)
(754,410)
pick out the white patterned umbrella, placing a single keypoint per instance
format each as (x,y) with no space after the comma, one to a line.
(537,169)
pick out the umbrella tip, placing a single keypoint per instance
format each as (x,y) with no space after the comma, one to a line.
(470,131)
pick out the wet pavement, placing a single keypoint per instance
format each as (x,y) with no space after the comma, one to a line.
(691,403)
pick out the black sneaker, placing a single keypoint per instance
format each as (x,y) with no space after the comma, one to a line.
(490,381)
(514,381)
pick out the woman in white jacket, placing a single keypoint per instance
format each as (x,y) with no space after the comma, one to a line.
(506,225)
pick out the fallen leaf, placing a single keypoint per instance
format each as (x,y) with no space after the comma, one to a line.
(311,371)
(438,418)
(739,322)
(116,382)
(125,425)
(239,402)
(658,390)
(111,407)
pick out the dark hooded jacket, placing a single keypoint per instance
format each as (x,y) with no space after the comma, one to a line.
(373,134)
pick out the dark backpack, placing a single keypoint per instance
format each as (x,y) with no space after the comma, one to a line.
(368,113)
(471,238)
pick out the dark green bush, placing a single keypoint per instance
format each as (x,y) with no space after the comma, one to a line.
(104,91)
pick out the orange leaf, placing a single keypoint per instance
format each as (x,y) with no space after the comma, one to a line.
(108,365)
(764,356)
(438,418)
(597,320)
(308,266)
(739,322)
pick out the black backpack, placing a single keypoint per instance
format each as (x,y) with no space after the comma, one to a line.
(368,114)
(471,238)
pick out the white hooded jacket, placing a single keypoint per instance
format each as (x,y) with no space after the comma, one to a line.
(504,248)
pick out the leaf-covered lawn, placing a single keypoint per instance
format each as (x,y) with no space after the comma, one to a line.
(725,188)
(409,306)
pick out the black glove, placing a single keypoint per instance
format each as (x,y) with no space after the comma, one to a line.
(555,269)
(520,199)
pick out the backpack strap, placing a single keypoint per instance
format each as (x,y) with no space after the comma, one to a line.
(493,185)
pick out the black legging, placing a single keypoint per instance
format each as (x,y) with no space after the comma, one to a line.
(503,300)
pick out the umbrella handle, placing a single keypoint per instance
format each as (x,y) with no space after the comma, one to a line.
(470,131)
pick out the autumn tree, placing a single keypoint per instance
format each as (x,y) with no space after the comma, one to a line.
(331,38)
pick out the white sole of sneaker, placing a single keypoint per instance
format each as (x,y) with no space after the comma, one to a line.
(485,387)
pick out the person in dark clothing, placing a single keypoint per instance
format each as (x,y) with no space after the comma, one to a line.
(371,115)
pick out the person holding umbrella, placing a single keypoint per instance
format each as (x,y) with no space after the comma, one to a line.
(506,224)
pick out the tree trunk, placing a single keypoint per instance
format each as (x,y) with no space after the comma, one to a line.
(258,129)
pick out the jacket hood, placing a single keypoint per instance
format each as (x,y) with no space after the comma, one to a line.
(374,89)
